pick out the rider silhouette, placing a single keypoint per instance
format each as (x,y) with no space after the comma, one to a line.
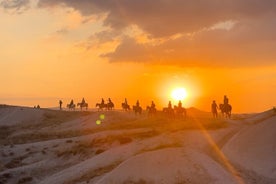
(71,103)
(152,105)
(102,101)
(225,100)
(179,104)
(125,101)
(137,103)
(170,105)
(109,100)
(83,101)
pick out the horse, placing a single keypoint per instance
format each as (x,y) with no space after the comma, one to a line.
(101,106)
(137,109)
(83,105)
(180,111)
(125,106)
(151,110)
(168,111)
(225,109)
(71,106)
(108,106)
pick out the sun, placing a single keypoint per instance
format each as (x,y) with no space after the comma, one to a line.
(179,94)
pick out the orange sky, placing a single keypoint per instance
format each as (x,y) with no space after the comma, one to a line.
(53,50)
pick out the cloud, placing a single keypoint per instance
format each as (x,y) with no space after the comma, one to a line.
(15,5)
(246,44)
(62,31)
(129,50)
(168,17)
(213,32)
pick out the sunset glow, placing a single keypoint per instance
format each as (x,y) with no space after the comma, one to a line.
(179,94)
(52,50)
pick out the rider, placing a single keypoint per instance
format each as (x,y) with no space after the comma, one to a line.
(71,103)
(137,103)
(170,105)
(225,100)
(83,101)
(109,100)
(179,104)
(152,105)
(102,101)
(214,107)
(125,101)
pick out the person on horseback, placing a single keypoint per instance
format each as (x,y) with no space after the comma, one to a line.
(71,103)
(125,101)
(226,108)
(170,105)
(102,101)
(83,101)
(179,104)
(214,108)
(109,100)
(152,105)
(137,103)
(225,100)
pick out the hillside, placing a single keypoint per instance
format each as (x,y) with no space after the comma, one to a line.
(48,146)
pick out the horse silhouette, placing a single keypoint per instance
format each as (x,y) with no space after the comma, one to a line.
(137,109)
(125,106)
(168,111)
(82,105)
(180,111)
(110,106)
(71,106)
(102,106)
(226,110)
(151,110)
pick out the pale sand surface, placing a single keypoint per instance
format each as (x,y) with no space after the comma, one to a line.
(47,146)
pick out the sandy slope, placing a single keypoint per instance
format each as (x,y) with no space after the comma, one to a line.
(46,146)
(254,148)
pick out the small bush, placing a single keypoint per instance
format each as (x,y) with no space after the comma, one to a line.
(7,175)
(99,151)
(25,179)
(124,140)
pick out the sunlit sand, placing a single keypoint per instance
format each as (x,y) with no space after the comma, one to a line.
(51,146)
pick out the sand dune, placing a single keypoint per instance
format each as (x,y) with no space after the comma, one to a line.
(254,147)
(48,146)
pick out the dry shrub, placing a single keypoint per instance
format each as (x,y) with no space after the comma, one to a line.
(17,162)
(25,179)
(124,140)
(99,151)
(86,177)
(4,177)
(79,149)
(5,131)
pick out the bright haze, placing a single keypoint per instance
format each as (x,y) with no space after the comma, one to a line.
(139,50)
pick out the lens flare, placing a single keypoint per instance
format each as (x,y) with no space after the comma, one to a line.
(102,116)
(98,122)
